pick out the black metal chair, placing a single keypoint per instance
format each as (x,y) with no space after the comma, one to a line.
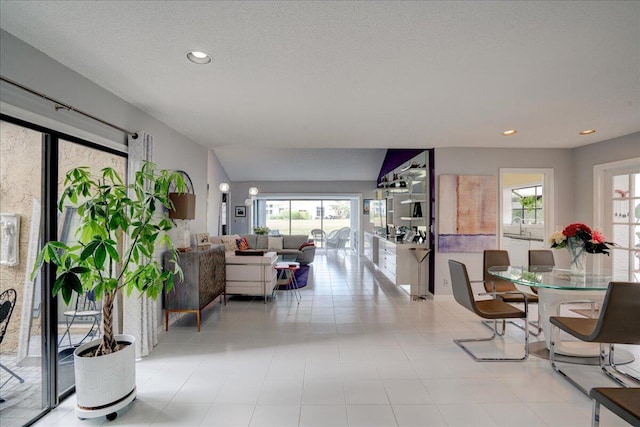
(491,309)
(7,303)
(618,323)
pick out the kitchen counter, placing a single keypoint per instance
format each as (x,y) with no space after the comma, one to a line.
(525,236)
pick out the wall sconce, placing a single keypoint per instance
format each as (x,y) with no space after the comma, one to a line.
(224,187)
(184,209)
(253,191)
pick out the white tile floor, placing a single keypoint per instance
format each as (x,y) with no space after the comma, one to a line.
(355,352)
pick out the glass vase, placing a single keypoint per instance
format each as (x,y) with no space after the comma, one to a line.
(578,255)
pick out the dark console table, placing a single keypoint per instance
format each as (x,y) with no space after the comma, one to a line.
(204,280)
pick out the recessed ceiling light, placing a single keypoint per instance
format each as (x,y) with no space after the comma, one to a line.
(509,132)
(198,57)
(587,132)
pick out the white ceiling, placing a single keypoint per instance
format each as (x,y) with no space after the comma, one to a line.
(367,75)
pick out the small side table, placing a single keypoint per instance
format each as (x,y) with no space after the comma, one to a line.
(288,270)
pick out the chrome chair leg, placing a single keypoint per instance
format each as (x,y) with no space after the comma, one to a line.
(459,343)
(552,360)
(603,366)
(493,325)
(595,418)
(611,370)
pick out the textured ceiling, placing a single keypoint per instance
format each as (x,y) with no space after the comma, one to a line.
(355,74)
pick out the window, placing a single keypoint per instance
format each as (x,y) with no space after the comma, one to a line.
(526,205)
(301,216)
(625,220)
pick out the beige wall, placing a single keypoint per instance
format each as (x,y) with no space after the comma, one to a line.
(20,184)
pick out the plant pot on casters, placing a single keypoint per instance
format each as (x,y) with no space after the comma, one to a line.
(109,212)
(105,384)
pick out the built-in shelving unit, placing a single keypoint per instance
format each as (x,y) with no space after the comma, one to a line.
(407,194)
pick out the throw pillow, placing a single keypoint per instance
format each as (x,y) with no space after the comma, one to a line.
(305,244)
(274,242)
(230,243)
(243,244)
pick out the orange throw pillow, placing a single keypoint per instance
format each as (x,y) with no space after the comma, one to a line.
(243,244)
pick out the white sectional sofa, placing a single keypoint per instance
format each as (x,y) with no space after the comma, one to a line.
(251,275)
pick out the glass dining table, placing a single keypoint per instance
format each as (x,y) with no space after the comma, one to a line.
(556,286)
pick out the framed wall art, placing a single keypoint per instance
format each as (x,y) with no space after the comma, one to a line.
(366,206)
(241,211)
(467,212)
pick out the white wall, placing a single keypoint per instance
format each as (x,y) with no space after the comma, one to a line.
(28,66)
(217,175)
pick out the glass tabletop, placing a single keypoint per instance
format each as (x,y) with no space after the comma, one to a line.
(551,278)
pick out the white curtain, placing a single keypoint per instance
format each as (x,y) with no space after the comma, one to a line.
(140,312)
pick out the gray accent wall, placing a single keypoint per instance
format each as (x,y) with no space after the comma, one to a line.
(573,184)
(489,161)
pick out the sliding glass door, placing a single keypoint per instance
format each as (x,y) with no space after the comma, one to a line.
(302,216)
(79,321)
(37,332)
(24,358)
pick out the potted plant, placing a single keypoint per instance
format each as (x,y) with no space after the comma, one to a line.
(110,212)
(262,231)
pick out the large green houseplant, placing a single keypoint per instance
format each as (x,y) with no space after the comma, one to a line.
(111,211)
(120,227)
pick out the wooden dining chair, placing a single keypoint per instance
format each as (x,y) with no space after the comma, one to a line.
(505,290)
(491,309)
(618,323)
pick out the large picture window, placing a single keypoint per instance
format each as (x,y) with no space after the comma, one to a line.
(304,216)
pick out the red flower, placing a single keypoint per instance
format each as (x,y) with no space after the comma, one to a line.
(597,236)
(571,229)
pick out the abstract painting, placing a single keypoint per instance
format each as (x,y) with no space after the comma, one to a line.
(467,213)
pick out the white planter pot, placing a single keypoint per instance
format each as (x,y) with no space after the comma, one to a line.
(105,384)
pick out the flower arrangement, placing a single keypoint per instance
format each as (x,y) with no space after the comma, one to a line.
(577,233)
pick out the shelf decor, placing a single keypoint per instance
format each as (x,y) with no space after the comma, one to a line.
(467,212)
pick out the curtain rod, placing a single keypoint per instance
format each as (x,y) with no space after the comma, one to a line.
(62,106)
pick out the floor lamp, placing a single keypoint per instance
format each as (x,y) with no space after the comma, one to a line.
(222,214)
